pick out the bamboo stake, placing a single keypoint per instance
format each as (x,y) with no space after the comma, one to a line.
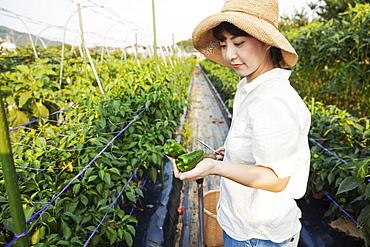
(87,52)
(11,182)
(155,39)
(83,49)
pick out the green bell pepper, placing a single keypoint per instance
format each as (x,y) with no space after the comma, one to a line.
(188,161)
(173,149)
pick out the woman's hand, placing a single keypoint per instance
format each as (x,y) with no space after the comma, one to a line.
(221,150)
(201,170)
(176,171)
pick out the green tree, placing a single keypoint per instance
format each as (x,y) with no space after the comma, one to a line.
(297,20)
(331,8)
(186,45)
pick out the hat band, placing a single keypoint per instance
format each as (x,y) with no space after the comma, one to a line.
(259,16)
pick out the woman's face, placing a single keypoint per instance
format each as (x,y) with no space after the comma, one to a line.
(246,55)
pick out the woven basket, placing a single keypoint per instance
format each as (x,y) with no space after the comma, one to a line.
(213,231)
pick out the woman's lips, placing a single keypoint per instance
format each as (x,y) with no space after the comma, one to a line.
(236,66)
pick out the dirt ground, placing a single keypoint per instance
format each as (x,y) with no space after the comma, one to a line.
(208,124)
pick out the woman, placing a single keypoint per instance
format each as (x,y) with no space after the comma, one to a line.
(266,162)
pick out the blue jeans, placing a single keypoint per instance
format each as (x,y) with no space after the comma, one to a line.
(230,242)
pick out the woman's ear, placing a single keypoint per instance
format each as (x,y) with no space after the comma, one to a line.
(268,47)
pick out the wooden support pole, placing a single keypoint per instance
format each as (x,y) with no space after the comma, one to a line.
(11,181)
(155,38)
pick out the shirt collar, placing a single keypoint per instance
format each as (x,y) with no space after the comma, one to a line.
(271,74)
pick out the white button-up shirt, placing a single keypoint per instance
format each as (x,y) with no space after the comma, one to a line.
(269,128)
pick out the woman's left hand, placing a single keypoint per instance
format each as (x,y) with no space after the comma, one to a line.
(201,170)
(176,171)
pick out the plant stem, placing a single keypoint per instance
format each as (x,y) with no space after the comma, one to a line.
(11,182)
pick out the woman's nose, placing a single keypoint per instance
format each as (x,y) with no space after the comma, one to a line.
(230,53)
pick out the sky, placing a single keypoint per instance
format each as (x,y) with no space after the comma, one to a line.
(117,23)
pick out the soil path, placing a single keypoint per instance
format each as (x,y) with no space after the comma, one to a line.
(207,123)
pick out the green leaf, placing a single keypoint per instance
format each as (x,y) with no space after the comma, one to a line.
(77,240)
(115,171)
(364,221)
(63,242)
(84,200)
(152,174)
(40,142)
(92,178)
(8,224)
(76,188)
(86,219)
(10,100)
(40,110)
(128,238)
(112,235)
(88,172)
(131,196)
(51,132)
(43,245)
(28,211)
(362,168)
(66,230)
(23,99)
(102,174)
(139,192)
(96,142)
(71,215)
(349,183)
(35,238)
(91,228)
(131,145)
(107,179)
(24,69)
(17,118)
(131,229)
(367,191)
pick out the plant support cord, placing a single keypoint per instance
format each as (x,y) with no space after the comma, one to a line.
(78,175)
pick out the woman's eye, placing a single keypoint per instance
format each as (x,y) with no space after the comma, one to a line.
(239,44)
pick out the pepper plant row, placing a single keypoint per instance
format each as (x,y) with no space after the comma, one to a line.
(50,152)
(333,64)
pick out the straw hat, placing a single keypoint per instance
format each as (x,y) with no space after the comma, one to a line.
(258,18)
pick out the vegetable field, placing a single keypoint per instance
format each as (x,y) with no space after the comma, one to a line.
(100,145)
(334,61)
(87,129)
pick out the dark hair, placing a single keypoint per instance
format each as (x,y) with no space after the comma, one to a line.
(275,53)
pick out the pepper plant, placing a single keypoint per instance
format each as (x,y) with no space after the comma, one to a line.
(49,153)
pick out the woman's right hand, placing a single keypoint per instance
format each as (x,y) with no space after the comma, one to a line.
(221,150)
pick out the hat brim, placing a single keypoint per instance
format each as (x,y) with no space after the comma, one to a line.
(204,41)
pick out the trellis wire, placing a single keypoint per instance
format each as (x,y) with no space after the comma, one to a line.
(79,174)
(326,194)
(341,209)
(42,117)
(111,205)
(335,156)
(137,197)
